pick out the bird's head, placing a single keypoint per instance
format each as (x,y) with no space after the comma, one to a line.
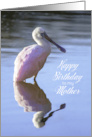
(39,34)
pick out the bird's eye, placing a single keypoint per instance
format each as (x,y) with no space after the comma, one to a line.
(42,34)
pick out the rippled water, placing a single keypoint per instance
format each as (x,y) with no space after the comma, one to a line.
(44,108)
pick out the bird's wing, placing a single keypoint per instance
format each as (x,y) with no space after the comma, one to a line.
(30,60)
(31,52)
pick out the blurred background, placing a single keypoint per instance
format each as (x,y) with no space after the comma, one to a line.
(71,30)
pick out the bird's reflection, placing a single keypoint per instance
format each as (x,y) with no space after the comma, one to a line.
(33,98)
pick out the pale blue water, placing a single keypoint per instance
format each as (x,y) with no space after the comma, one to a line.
(73,32)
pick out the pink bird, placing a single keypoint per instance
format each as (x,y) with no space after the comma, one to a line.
(32,58)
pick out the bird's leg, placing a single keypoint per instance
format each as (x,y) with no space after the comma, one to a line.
(25,80)
(35,78)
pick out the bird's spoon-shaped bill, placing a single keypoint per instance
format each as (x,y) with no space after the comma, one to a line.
(49,39)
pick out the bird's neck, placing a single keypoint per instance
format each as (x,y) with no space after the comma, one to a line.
(45,44)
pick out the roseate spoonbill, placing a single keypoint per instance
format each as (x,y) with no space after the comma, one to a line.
(32,58)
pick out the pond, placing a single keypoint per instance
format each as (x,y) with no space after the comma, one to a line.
(59,102)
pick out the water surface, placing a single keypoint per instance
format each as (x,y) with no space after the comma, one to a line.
(38,109)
